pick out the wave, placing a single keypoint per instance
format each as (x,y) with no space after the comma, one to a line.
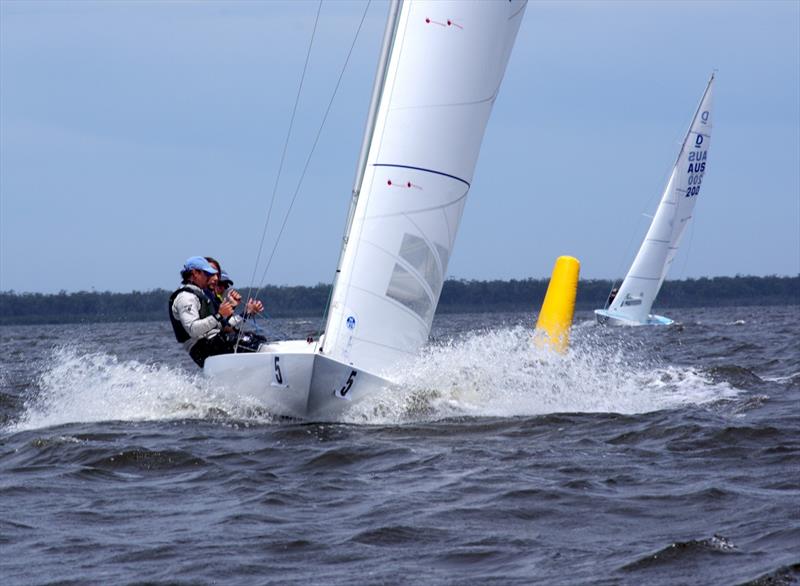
(680,551)
(78,387)
(493,373)
(501,373)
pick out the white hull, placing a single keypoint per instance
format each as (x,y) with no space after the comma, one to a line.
(605,317)
(291,379)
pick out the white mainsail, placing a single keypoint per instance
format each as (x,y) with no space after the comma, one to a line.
(445,65)
(638,291)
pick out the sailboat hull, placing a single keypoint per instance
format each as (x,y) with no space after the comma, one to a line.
(605,317)
(291,379)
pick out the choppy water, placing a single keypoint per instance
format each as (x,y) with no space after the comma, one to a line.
(645,456)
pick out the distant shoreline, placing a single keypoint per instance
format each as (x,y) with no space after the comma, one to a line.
(458,296)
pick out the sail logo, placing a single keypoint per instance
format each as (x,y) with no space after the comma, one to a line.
(351,322)
(698,142)
(704,117)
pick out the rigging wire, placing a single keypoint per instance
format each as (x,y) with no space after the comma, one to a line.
(637,223)
(313,148)
(285,148)
(688,249)
(308,159)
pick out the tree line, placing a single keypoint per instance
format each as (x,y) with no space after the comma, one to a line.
(458,296)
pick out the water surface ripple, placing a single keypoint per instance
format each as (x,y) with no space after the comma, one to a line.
(645,456)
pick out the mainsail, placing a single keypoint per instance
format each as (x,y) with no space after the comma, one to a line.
(445,63)
(649,269)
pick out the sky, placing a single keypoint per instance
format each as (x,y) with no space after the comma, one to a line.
(136,134)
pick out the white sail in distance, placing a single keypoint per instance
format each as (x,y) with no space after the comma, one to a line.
(445,65)
(638,291)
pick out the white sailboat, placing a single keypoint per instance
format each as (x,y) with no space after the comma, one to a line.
(633,301)
(440,70)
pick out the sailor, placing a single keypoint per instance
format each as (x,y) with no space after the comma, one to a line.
(612,296)
(224,283)
(198,323)
(219,290)
(211,289)
(195,321)
(222,290)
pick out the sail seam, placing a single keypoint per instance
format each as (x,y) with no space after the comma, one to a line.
(477,102)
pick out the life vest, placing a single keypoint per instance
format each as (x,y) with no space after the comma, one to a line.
(205,310)
(214,299)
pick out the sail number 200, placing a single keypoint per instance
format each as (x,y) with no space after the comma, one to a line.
(696,170)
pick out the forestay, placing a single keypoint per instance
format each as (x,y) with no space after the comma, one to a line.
(445,65)
(651,265)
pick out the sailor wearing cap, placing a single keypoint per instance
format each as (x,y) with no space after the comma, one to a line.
(221,290)
(195,323)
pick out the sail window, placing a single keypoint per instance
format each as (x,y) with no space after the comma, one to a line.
(406,288)
(444,255)
(416,252)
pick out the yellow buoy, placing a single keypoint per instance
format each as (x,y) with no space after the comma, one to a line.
(555,318)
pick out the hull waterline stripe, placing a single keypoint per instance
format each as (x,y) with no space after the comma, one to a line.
(423,170)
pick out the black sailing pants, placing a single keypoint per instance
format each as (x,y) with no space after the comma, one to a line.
(206,347)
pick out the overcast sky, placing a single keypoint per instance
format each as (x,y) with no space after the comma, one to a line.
(136,134)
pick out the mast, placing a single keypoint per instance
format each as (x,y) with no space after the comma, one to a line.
(377,94)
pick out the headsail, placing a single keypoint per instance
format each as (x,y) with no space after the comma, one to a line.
(649,269)
(445,66)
